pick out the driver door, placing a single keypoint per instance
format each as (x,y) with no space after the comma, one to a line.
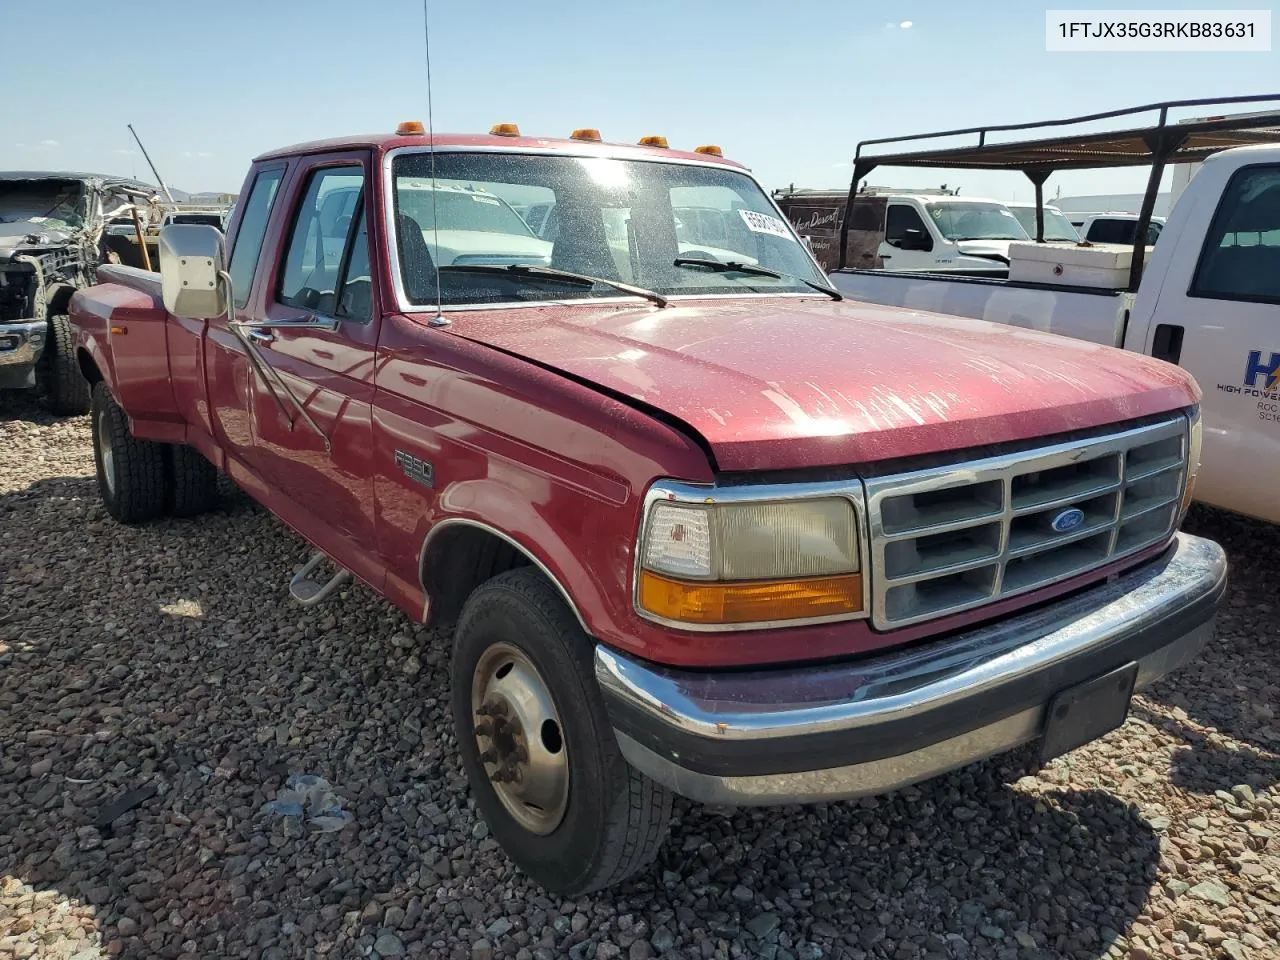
(312,425)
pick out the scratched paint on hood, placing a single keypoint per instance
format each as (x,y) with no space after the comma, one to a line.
(784,383)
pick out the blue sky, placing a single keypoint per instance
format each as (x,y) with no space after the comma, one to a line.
(786,87)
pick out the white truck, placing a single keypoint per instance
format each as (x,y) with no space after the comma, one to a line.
(1207,297)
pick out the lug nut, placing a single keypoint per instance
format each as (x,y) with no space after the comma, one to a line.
(484,729)
(489,756)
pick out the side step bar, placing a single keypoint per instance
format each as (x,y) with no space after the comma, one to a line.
(308,592)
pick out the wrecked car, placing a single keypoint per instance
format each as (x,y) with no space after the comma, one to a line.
(53,235)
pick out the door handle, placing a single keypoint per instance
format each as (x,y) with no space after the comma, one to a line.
(1167,342)
(261,336)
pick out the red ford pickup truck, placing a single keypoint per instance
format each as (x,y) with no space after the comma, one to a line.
(703,526)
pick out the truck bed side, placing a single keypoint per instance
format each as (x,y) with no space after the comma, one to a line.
(122,338)
(1096,315)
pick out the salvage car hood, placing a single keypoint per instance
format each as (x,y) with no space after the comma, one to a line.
(776,383)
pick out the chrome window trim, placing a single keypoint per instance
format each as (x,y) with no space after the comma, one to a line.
(622,153)
(672,491)
(1003,468)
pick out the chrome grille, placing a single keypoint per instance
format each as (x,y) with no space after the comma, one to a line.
(953,538)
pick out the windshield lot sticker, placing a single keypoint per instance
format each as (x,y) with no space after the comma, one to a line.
(1261,381)
(763,223)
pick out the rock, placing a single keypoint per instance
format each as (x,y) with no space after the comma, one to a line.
(393,917)
(761,925)
(662,939)
(1211,892)
(499,928)
(126,926)
(743,894)
(640,950)
(389,945)
(41,767)
(1243,793)
(1235,950)
(1176,888)
(481,950)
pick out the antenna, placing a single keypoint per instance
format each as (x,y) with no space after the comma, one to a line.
(152,165)
(439,320)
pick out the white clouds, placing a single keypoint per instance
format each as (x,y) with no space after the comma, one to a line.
(196,153)
(900,25)
(123,152)
(48,143)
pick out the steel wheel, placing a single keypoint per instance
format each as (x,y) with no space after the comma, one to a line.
(106,452)
(519,738)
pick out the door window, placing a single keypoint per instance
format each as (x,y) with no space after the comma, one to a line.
(326,264)
(1240,259)
(900,219)
(253,227)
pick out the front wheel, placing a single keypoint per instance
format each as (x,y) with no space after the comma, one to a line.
(65,388)
(537,744)
(132,474)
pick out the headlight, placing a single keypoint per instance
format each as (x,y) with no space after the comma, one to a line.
(750,562)
(1194,440)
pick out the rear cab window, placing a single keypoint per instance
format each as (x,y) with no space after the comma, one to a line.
(1240,259)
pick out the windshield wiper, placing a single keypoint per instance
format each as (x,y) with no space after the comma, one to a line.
(535,272)
(734,266)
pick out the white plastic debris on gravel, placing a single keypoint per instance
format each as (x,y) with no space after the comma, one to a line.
(158,692)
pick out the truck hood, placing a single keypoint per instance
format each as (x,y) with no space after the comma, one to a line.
(778,383)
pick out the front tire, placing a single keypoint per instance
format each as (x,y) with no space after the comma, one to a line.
(66,391)
(132,475)
(537,744)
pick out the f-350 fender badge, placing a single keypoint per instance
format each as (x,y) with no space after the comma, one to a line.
(415,468)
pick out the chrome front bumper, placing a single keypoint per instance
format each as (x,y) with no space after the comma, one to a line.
(20,347)
(801,734)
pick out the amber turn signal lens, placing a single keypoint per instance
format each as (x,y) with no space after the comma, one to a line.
(586,133)
(710,150)
(749,601)
(504,130)
(653,141)
(410,128)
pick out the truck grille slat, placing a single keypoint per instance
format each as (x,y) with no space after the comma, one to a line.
(954,538)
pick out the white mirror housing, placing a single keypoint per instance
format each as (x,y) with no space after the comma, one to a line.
(192,260)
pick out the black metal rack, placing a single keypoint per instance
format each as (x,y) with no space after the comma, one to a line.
(1157,145)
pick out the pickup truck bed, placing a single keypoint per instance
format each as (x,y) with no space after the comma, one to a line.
(1087,313)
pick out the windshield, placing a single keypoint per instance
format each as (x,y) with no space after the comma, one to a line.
(55,204)
(1056,225)
(976,221)
(621,220)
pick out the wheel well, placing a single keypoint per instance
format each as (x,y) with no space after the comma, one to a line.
(88,367)
(458,559)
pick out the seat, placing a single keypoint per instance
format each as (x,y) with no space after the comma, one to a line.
(419,269)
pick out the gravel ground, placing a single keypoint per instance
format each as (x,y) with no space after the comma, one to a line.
(157,689)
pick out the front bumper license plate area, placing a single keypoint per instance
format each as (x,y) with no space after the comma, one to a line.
(1083,713)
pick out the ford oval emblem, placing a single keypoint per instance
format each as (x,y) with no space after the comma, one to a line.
(1068,520)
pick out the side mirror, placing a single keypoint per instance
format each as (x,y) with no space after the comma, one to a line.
(192,260)
(913,238)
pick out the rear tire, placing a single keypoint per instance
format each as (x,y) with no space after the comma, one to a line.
(132,474)
(193,482)
(613,819)
(66,391)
